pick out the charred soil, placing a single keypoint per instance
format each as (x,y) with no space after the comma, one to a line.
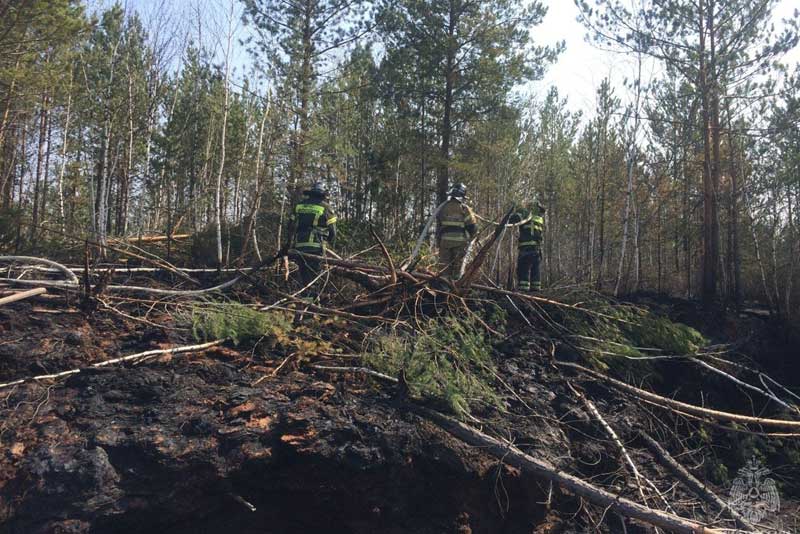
(240,440)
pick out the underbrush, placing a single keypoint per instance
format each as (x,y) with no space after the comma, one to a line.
(271,331)
(237,322)
(448,361)
(615,334)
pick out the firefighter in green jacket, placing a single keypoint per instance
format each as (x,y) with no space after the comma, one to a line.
(455,229)
(529,259)
(314,227)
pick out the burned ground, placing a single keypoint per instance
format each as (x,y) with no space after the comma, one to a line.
(248,439)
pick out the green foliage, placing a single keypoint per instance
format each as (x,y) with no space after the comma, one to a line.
(644,329)
(449,361)
(619,334)
(717,471)
(237,322)
(495,316)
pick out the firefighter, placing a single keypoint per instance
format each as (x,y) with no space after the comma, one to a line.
(314,225)
(530,246)
(455,229)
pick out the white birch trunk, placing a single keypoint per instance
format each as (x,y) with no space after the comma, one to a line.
(64,144)
(218,195)
(631,162)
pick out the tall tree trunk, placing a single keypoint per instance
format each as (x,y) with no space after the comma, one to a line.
(251,223)
(46,177)
(601,222)
(104,174)
(9,166)
(631,156)
(7,102)
(446,132)
(125,184)
(793,253)
(218,195)
(734,213)
(40,156)
(710,231)
(23,161)
(298,168)
(63,166)
(631,162)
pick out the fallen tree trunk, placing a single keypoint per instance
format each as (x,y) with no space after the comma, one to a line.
(129,289)
(509,454)
(692,483)
(146,290)
(617,441)
(68,274)
(690,408)
(157,238)
(741,383)
(138,356)
(124,269)
(471,272)
(22,295)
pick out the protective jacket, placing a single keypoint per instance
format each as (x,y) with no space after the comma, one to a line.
(315,224)
(530,233)
(456,224)
(530,247)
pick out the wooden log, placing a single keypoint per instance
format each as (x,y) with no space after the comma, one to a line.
(386,255)
(362,370)
(471,271)
(509,454)
(22,295)
(130,289)
(123,269)
(741,383)
(139,356)
(700,489)
(157,238)
(70,276)
(616,440)
(690,408)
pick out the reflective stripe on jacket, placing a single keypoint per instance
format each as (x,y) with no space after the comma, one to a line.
(530,233)
(314,224)
(456,223)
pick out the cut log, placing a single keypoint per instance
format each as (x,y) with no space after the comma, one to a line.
(509,454)
(700,489)
(22,295)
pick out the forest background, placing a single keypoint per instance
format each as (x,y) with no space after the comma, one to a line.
(208,117)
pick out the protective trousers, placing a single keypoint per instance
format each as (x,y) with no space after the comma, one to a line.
(450,259)
(309,269)
(529,270)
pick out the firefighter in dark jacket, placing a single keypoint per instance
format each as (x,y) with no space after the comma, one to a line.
(455,229)
(314,225)
(529,259)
